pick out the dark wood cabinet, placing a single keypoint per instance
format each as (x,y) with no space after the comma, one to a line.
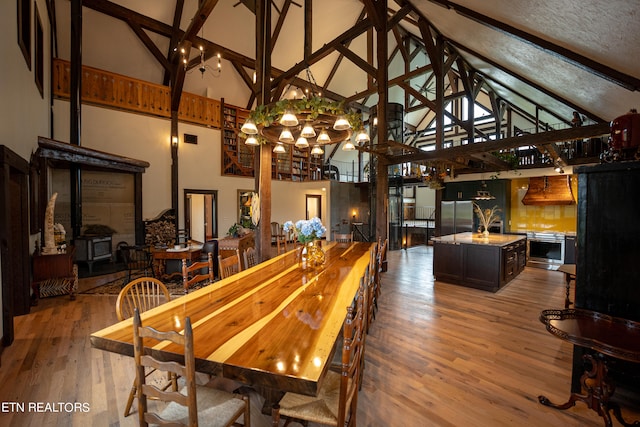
(607,267)
(54,274)
(478,265)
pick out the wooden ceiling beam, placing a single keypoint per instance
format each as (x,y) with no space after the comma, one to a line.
(150,45)
(562,135)
(173,39)
(393,82)
(325,50)
(359,62)
(280,23)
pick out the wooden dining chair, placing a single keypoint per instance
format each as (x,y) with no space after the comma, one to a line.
(382,254)
(193,405)
(337,399)
(343,237)
(194,273)
(278,235)
(229,265)
(250,257)
(370,285)
(142,294)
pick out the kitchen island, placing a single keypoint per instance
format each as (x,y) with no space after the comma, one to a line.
(476,261)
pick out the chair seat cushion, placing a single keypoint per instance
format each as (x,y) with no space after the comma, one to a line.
(321,409)
(216,408)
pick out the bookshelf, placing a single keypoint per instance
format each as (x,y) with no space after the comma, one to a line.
(238,159)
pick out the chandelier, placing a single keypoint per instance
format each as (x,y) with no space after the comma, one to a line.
(311,121)
(307,122)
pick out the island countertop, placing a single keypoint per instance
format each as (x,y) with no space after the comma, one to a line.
(469,238)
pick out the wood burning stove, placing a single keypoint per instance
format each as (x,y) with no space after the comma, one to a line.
(92,248)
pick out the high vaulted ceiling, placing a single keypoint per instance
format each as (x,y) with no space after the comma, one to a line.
(536,62)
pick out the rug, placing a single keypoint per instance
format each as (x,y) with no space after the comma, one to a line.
(174,285)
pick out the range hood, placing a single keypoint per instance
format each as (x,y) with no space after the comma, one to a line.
(549,190)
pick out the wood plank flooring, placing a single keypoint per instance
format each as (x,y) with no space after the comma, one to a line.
(436,355)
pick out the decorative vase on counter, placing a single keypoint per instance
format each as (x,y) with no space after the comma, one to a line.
(485,233)
(311,255)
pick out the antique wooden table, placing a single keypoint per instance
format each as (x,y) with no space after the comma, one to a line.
(160,257)
(607,335)
(272,326)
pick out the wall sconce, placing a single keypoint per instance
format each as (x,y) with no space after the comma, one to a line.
(174,141)
(353,214)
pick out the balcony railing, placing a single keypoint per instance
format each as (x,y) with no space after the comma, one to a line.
(125,93)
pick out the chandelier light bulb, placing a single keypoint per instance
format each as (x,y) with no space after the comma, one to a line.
(317,151)
(286,136)
(249,127)
(289,119)
(323,137)
(252,141)
(348,146)
(362,136)
(279,148)
(341,123)
(302,142)
(308,131)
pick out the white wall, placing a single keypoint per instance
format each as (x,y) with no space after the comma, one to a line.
(24,113)
(147,138)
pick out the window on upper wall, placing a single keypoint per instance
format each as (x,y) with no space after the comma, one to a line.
(39,51)
(24,29)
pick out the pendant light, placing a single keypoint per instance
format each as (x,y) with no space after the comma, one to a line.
(279,148)
(348,146)
(317,151)
(341,123)
(308,131)
(323,137)
(249,127)
(302,142)
(289,119)
(286,136)
(252,141)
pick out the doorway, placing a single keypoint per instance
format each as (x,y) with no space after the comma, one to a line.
(14,238)
(201,214)
(314,206)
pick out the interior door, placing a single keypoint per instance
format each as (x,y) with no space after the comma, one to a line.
(14,241)
(201,214)
(314,206)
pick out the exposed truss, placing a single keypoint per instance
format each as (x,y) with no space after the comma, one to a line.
(435,74)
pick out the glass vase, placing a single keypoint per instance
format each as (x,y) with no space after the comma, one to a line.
(312,255)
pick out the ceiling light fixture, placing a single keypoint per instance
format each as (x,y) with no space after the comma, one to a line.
(313,118)
(317,151)
(348,146)
(302,142)
(279,148)
(483,193)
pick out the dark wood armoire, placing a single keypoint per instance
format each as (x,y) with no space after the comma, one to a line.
(608,253)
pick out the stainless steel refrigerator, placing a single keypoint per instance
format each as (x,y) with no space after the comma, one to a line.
(456,217)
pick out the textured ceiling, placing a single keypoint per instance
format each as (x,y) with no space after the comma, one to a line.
(605,32)
(519,71)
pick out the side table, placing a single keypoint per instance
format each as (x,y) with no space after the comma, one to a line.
(607,335)
(569,271)
(54,274)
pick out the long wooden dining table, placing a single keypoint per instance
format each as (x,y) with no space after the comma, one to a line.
(273,326)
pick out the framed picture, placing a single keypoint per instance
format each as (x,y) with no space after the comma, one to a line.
(39,51)
(24,29)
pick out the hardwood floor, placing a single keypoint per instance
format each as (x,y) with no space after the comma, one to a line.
(437,354)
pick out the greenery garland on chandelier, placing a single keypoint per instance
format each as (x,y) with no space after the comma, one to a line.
(307,109)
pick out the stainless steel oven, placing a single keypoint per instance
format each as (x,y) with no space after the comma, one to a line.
(545,250)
